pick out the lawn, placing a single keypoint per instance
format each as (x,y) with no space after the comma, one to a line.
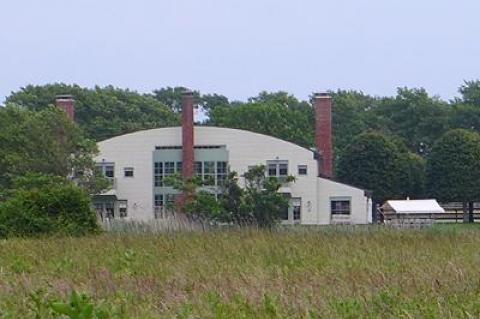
(303,272)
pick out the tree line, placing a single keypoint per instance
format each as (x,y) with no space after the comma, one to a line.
(411,144)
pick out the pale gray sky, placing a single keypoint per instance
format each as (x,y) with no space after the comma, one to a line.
(240,47)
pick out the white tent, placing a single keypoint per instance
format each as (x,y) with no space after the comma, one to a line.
(417,206)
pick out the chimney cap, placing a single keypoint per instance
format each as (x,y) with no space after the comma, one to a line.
(322,95)
(64,97)
(187,92)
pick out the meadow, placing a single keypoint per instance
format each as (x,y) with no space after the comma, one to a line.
(302,272)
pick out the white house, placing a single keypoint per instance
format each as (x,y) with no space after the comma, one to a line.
(138,164)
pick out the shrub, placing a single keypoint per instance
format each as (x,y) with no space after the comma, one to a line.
(50,208)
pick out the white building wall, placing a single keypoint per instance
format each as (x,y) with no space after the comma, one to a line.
(245,149)
(361,205)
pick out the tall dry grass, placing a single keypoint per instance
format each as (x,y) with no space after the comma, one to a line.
(305,272)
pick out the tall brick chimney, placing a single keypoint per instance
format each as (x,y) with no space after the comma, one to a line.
(323,133)
(66,103)
(187,135)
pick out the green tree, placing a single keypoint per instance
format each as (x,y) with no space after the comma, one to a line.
(470,92)
(351,115)
(172,97)
(416,187)
(102,112)
(44,204)
(453,169)
(373,161)
(46,142)
(415,117)
(262,200)
(259,202)
(275,114)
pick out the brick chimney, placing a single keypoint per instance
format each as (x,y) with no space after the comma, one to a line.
(187,135)
(323,133)
(66,103)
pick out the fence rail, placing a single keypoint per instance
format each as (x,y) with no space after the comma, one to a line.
(426,218)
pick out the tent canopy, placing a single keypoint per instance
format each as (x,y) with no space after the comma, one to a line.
(418,206)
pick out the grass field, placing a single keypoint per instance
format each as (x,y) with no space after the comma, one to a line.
(298,273)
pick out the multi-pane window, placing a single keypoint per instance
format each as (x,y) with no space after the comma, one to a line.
(283,169)
(297,211)
(340,207)
(272,170)
(198,169)
(277,169)
(158,200)
(209,173)
(170,200)
(122,208)
(158,174)
(302,169)
(179,168)
(128,171)
(109,210)
(106,169)
(168,170)
(110,171)
(158,204)
(221,173)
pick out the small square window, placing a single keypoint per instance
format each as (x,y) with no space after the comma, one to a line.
(302,169)
(128,171)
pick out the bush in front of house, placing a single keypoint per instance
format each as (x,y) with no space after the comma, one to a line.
(48,205)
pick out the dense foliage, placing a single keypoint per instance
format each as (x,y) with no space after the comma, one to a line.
(47,142)
(101,112)
(257,203)
(375,162)
(453,170)
(280,115)
(42,204)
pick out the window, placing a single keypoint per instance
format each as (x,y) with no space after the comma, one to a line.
(272,170)
(158,174)
(168,170)
(283,170)
(109,171)
(340,206)
(158,205)
(106,169)
(179,168)
(277,169)
(128,171)
(158,200)
(302,169)
(170,200)
(209,173)
(109,212)
(297,208)
(221,173)
(199,169)
(122,208)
